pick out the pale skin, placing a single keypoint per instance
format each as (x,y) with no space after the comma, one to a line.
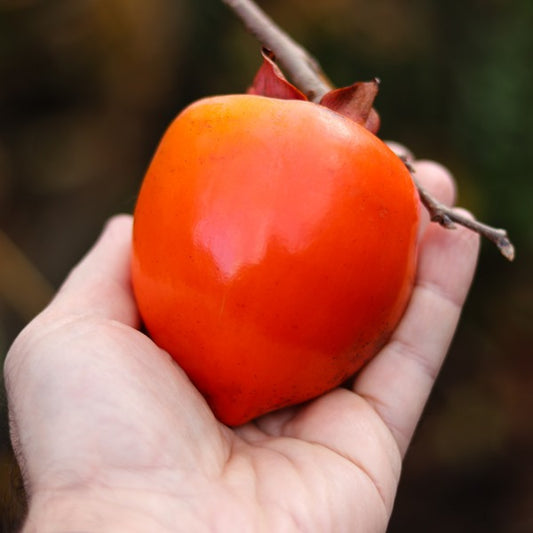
(111,435)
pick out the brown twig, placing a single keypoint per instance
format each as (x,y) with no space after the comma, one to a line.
(448,218)
(307,75)
(302,68)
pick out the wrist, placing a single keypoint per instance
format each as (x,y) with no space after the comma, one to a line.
(105,511)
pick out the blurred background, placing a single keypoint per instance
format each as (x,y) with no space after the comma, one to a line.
(87,87)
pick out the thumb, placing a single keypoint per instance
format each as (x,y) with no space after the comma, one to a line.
(101,283)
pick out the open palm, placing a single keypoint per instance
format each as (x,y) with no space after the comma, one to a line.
(112,436)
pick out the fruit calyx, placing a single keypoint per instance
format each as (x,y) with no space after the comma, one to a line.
(354,101)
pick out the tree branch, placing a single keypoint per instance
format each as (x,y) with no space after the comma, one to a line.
(298,64)
(448,218)
(307,76)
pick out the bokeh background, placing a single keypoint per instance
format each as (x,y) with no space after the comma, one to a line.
(88,86)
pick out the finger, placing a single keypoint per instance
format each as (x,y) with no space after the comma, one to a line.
(401,151)
(436,179)
(397,382)
(438,182)
(433,177)
(101,283)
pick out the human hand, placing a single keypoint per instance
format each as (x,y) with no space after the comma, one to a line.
(112,436)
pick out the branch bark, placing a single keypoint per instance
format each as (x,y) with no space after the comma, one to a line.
(303,69)
(307,75)
(447,217)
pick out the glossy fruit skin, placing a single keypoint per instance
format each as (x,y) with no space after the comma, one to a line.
(274,249)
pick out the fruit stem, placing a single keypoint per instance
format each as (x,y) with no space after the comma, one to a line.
(302,68)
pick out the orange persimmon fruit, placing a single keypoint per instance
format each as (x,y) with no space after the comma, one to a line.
(274,249)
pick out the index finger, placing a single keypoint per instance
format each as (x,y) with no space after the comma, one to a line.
(398,381)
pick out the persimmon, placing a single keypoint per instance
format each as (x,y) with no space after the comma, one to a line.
(274,249)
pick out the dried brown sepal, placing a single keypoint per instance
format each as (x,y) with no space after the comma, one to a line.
(355,102)
(270,81)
